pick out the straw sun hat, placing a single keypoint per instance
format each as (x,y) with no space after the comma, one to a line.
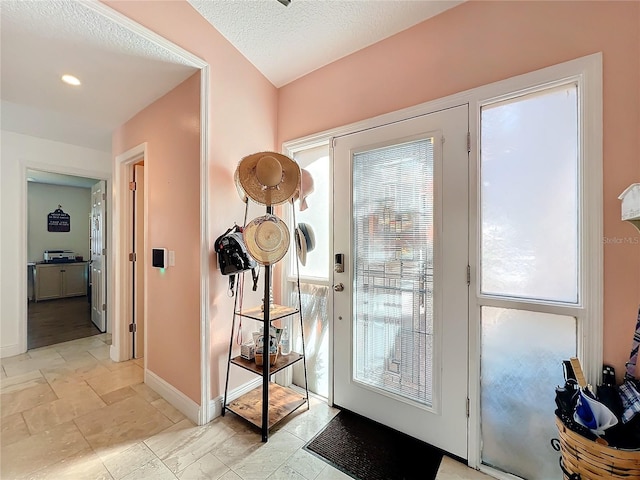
(268,178)
(267,239)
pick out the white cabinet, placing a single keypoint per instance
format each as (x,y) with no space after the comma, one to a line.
(60,280)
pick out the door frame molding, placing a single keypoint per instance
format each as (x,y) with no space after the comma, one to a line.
(122,229)
(205,413)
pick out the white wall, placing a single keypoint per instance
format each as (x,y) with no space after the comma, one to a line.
(17,154)
(43,199)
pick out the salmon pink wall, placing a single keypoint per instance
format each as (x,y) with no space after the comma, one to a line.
(171,128)
(242,120)
(481,42)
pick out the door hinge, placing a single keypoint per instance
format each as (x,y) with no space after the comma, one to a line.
(132,257)
(132,328)
(468,407)
(468,142)
(442,139)
(132,186)
(104,251)
(468,274)
(104,196)
(104,307)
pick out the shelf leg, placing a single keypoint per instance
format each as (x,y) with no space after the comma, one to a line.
(266,303)
(233,327)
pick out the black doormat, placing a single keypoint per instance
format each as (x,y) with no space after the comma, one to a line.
(367,450)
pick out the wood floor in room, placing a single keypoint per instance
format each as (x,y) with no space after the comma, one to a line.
(57,321)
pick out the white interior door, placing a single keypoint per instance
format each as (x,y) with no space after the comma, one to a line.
(401,320)
(98,263)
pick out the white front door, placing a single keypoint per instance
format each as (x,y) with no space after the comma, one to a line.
(98,263)
(401,304)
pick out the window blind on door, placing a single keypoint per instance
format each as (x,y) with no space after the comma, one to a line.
(393,240)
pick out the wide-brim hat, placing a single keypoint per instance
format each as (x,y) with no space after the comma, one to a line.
(267,239)
(268,178)
(305,241)
(239,188)
(305,189)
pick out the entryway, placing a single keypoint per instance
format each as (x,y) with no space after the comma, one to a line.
(499,289)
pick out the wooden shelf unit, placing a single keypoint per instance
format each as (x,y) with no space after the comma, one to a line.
(282,362)
(276,312)
(282,402)
(279,401)
(270,403)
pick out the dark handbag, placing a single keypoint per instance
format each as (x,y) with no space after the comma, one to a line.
(233,257)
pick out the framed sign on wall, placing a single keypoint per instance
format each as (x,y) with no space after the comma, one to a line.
(58,221)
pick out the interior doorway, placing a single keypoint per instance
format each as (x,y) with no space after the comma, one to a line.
(128,265)
(58,220)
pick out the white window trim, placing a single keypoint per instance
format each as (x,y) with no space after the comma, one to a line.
(588,73)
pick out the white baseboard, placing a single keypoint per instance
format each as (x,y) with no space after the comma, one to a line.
(215,404)
(175,397)
(10,350)
(188,407)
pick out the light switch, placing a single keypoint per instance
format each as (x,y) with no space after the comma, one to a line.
(159,257)
(172,258)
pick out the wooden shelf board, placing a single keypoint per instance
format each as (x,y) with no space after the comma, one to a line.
(276,312)
(283,361)
(282,402)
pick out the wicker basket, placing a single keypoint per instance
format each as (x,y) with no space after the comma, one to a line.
(584,459)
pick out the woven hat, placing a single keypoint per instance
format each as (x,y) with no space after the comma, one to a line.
(241,193)
(305,241)
(268,178)
(304,189)
(267,239)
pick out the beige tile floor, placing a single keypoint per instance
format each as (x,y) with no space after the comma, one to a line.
(68,412)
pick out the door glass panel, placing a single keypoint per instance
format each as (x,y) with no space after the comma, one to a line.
(314,293)
(529,196)
(521,364)
(315,319)
(393,269)
(316,215)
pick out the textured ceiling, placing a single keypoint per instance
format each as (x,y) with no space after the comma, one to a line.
(287,42)
(121,72)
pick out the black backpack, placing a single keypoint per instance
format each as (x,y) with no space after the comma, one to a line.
(233,257)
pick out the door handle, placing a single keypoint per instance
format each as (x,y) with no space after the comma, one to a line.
(338,287)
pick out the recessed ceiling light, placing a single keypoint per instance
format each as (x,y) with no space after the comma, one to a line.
(70,79)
